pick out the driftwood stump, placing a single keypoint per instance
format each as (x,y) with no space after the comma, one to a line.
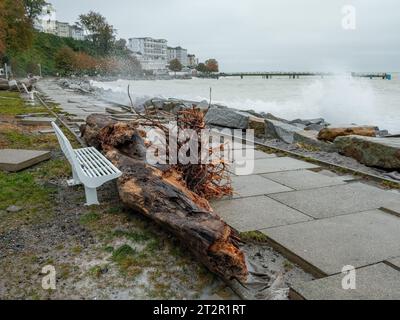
(164,198)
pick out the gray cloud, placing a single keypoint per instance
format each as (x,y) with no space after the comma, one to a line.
(250,35)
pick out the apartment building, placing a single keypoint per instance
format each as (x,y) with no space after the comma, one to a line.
(152,53)
(192,61)
(47,21)
(77,33)
(178,53)
(63,29)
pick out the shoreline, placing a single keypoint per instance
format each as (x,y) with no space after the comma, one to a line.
(304,149)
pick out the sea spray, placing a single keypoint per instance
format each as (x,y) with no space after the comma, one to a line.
(340,99)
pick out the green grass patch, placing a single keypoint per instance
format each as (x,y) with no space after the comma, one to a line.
(253,236)
(11,104)
(134,236)
(89,218)
(54,169)
(96,271)
(123,252)
(22,190)
(20,140)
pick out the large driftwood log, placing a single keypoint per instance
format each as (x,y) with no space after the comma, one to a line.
(163,198)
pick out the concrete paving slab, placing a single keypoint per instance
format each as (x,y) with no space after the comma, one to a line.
(337,200)
(254,154)
(13,160)
(376,282)
(394,263)
(335,175)
(271,165)
(392,207)
(325,246)
(255,213)
(39,121)
(303,179)
(247,186)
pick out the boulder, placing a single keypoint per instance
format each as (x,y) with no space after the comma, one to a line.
(227,117)
(315,127)
(331,133)
(270,116)
(310,138)
(279,130)
(307,122)
(374,152)
(258,125)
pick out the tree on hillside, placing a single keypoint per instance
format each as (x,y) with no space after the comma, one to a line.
(65,60)
(33,8)
(201,67)
(3,33)
(16,28)
(175,65)
(212,65)
(99,31)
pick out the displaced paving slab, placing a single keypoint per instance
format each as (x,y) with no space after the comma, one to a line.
(338,200)
(325,246)
(255,213)
(37,121)
(247,186)
(270,165)
(303,179)
(376,282)
(13,160)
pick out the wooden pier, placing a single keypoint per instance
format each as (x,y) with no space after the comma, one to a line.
(297,75)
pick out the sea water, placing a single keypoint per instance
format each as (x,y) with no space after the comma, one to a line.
(339,99)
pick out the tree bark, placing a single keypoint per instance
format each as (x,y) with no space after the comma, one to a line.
(163,198)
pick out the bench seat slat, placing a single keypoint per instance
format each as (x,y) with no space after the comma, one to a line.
(99,164)
(94,164)
(104,160)
(90,161)
(85,167)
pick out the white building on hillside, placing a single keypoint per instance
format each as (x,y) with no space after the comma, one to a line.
(152,53)
(47,22)
(77,33)
(178,53)
(63,29)
(192,61)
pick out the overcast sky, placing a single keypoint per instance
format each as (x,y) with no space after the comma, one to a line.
(261,35)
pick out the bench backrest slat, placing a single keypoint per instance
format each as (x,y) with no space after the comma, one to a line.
(66,146)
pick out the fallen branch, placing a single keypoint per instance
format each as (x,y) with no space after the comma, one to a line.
(165,199)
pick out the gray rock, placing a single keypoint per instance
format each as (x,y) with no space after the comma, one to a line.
(227,117)
(374,152)
(307,122)
(315,127)
(310,138)
(280,130)
(382,133)
(13,209)
(270,116)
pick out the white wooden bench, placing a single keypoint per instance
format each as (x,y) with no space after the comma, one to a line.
(89,167)
(31,94)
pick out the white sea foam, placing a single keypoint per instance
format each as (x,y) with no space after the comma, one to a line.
(340,99)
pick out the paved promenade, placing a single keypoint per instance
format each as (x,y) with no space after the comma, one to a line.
(322,222)
(315,218)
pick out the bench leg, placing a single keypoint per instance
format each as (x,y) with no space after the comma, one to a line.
(91,196)
(74,181)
